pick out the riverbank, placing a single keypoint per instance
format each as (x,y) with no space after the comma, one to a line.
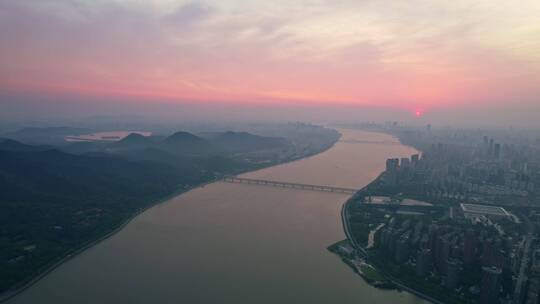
(345,251)
(360,255)
(221,243)
(72,254)
(44,271)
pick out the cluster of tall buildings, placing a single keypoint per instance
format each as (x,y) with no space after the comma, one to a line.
(475,249)
(491,149)
(481,173)
(478,239)
(398,171)
(451,253)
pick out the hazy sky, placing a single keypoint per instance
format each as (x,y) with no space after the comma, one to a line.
(413,55)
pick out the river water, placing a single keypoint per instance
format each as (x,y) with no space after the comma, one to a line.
(232,243)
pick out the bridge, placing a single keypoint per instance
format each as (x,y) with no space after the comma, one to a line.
(270,183)
(377,142)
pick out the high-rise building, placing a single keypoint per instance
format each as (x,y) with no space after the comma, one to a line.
(392,164)
(490,286)
(423,262)
(453,273)
(470,245)
(533,292)
(414,159)
(391,174)
(442,253)
(405,162)
(497,151)
(402,250)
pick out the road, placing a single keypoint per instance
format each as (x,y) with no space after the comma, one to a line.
(525,259)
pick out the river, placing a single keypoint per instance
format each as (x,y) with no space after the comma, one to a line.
(232,243)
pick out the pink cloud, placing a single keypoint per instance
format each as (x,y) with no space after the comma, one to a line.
(206,52)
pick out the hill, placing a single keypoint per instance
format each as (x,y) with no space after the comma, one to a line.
(187,143)
(49,135)
(15,146)
(133,140)
(53,202)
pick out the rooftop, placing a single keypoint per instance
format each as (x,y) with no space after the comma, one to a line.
(484,210)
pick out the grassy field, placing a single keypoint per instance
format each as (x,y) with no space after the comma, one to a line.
(371,273)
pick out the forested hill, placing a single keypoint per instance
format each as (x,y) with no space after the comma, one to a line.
(57,199)
(52,202)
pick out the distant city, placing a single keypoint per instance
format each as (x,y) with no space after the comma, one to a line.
(455,223)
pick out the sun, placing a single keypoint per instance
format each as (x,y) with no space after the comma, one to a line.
(418,113)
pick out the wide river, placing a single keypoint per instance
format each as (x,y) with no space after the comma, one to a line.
(232,243)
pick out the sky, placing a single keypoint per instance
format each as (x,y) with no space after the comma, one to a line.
(417,56)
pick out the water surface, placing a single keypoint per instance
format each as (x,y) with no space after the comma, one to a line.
(104,136)
(232,243)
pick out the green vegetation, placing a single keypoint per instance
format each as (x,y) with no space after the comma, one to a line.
(362,222)
(53,203)
(406,275)
(335,247)
(371,273)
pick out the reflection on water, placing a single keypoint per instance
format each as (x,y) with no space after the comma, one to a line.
(104,136)
(233,243)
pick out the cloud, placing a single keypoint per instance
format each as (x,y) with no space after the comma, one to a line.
(405,54)
(190,14)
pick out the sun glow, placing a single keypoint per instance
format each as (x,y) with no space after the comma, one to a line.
(357,52)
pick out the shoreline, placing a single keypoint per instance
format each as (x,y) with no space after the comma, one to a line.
(346,227)
(41,273)
(352,241)
(76,252)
